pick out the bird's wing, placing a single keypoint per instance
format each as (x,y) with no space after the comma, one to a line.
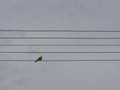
(39,59)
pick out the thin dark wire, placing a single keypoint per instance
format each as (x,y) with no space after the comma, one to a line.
(59,52)
(79,60)
(59,45)
(53,60)
(57,38)
(18,60)
(61,30)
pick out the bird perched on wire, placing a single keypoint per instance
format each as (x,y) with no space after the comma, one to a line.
(39,59)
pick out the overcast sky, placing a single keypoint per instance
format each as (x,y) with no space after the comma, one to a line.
(60,14)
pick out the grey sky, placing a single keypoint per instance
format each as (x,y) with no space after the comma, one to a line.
(59,14)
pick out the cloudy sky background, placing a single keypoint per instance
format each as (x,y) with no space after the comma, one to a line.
(60,14)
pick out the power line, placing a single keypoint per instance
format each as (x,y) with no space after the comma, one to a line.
(58,38)
(53,60)
(60,45)
(61,30)
(78,60)
(59,52)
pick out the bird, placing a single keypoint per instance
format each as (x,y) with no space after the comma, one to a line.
(39,59)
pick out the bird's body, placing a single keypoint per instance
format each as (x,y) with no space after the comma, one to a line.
(39,59)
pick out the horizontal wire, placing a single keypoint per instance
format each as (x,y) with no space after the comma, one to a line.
(79,60)
(57,38)
(52,60)
(61,30)
(59,45)
(18,60)
(59,52)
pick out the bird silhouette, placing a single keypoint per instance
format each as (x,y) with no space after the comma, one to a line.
(39,59)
